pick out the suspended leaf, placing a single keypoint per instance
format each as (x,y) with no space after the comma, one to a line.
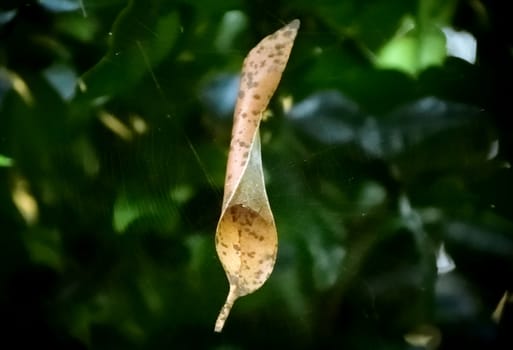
(246,237)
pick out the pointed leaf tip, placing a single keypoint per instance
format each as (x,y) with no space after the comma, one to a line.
(294,24)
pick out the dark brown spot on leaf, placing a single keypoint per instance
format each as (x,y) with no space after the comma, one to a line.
(288,33)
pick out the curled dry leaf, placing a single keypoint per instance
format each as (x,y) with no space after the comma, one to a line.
(246,237)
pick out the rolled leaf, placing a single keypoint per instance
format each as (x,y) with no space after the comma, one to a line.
(246,237)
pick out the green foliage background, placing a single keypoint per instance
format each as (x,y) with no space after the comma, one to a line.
(115,119)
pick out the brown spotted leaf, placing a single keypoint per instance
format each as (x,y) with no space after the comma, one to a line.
(246,237)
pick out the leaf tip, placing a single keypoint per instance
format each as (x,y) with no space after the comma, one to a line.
(294,24)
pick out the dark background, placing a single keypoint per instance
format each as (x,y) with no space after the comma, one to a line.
(383,151)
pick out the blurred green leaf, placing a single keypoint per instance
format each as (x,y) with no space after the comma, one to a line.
(412,49)
(152,212)
(5,161)
(44,247)
(142,36)
(77,26)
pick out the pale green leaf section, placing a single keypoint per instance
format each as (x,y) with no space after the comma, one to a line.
(5,161)
(413,49)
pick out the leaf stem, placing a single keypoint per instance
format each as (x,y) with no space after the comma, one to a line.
(225,310)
